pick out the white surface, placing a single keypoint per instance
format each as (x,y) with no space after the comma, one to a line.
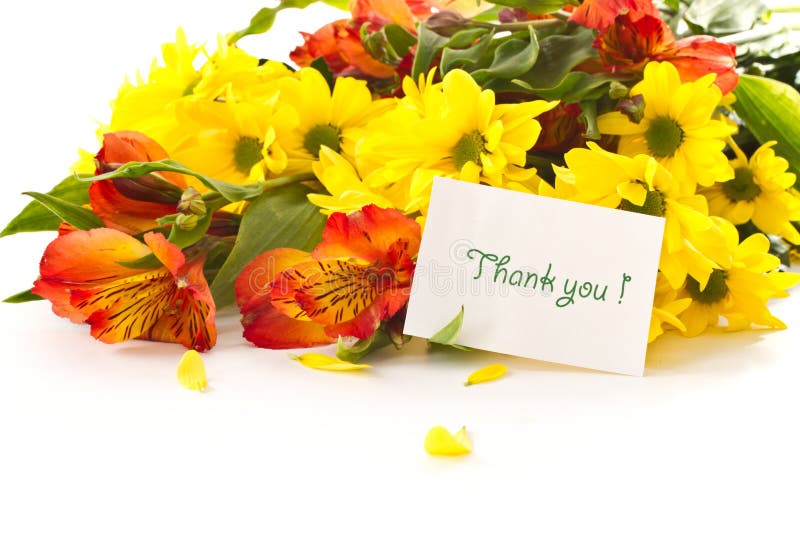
(477,240)
(97,438)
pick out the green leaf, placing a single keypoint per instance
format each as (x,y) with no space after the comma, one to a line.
(35,217)
(136,169)
(721,17)
(430,43)
(455,58)
(389,44)
(279,218)
(537,7)
(558,55)
(264,19)
(447,335)
(771,111)
(355,352)
(22,296)
(511,59)
(465,38)
(77,216)
(338,4)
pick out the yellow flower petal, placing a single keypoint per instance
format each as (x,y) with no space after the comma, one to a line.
(440,442)
(328,363)
(486,374)
(192,371)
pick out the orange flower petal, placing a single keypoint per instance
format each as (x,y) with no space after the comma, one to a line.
(599,14)
(167,253)
(124,213)
(266,327)
(126,146)
(257,277)
(367,234)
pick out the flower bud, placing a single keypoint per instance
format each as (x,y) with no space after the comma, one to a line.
(633,108)
(446,23)
(192,203)
(186,222)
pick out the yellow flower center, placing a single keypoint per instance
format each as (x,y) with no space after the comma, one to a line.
(469,148)
(322,135)
(653,205)
(247,153)
(715,290)
(664,136)
(742,187)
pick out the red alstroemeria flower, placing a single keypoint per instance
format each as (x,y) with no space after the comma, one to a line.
(696,56)
(133,205)
(600,14)
(561,129)
(633,40)
(83,274)
(359,275)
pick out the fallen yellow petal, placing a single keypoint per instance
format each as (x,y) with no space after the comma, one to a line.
(486,374)
(328,363)
(440,442)
(192,371)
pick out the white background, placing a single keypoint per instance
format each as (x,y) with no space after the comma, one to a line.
(98,438)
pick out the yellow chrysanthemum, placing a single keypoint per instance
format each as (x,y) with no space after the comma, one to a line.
(666,309)
(324,118)
(677,128)
(691,244)
(233,141)
(453,129)
(740,292)
(146,106)
(760,191)
(231,70)
(347,192)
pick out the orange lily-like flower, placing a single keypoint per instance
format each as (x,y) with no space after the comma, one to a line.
(340,44)
(600,14)
(88,277)
(133,205)
(635,38)
(359,275)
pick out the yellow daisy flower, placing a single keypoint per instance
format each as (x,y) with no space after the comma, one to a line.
(146,106)
(691,244)
(347,192)
(740,292)
(452,129)
(231,70)
(761,191)
(677,128)
(233,141)
(666,309)
(324,118)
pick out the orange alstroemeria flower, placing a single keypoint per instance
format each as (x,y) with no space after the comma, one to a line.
(359,275)
(339,42)
(133,205)
(634,39)
(600,14)
(84,275)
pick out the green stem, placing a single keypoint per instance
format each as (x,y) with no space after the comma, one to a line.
(518,26)
(749,36)
(275,183)
(785,9)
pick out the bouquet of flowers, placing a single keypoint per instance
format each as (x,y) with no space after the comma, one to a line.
(299,193)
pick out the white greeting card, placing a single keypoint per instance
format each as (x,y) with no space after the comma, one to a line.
(538,277)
